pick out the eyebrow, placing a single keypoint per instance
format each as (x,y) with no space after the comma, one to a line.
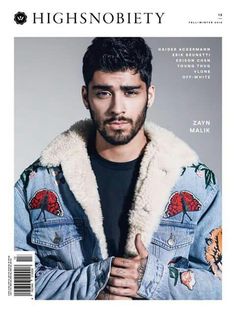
(130,87)
(123,87)
(99,86)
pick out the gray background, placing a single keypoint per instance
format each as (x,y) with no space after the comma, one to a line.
(48,79)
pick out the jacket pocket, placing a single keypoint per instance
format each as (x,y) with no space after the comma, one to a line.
(58,242)
(170,241)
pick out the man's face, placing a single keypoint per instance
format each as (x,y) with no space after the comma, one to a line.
(117,102)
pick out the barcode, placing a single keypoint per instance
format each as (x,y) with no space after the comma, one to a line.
(22,280)
(24,258)
(23,274)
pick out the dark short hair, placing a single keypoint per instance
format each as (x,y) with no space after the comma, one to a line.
(110,54)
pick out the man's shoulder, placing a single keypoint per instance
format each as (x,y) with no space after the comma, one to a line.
(199,181)
(171,151)
(36,173)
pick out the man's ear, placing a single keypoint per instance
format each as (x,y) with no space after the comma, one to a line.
(151,95)
(84,93)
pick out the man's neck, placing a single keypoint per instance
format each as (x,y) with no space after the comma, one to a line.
(121,153)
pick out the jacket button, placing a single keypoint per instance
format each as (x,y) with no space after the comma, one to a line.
(95,259)
(171,240)
(57,239)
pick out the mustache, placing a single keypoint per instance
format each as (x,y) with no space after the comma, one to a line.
(113,119)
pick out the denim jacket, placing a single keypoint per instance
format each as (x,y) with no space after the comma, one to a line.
(176,208)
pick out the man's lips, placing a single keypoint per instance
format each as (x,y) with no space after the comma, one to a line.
(118,122)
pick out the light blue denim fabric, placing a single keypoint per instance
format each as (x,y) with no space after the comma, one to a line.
(189,242)
(69,263)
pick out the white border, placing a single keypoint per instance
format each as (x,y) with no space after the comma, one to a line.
(174,25)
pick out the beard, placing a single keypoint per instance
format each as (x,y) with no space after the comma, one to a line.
(118,137)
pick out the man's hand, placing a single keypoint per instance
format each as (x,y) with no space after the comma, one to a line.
(105,295)
(126,274)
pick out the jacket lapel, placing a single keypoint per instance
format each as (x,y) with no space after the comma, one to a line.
(162,163)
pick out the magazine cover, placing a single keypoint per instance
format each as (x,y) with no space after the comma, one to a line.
(117,155)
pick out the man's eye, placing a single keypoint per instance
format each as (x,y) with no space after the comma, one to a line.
(103,94)
(131,92)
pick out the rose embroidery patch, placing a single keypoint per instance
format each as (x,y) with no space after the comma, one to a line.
(47,200)
(203,171)
(213,251)
(187,277)
(32,175)
(182,202)
(30,172)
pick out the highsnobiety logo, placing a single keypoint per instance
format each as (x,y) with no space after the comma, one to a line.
(90,18)
(20,18)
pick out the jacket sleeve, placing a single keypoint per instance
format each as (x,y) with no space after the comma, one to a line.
(199,276)
(83,283)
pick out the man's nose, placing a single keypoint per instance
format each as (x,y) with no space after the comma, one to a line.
(117,105)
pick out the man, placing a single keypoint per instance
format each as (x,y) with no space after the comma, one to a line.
(116,209)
